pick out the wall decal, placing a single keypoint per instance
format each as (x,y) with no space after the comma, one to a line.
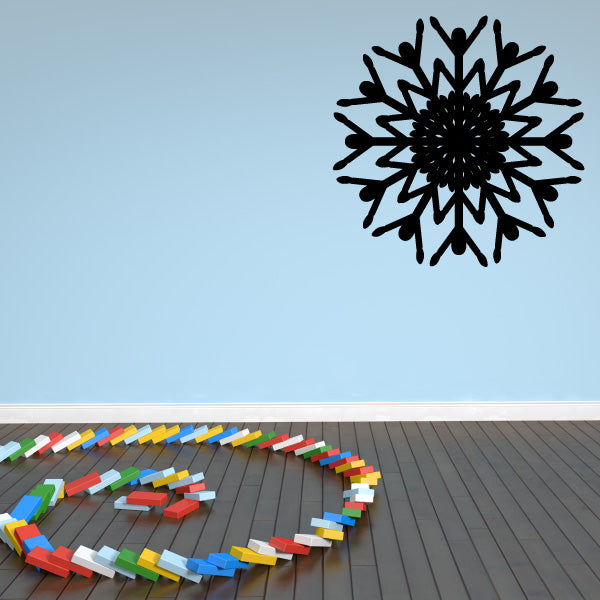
(459,142)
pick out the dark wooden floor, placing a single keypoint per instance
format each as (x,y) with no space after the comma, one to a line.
(464,510)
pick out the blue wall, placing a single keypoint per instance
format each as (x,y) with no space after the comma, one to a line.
(171,228)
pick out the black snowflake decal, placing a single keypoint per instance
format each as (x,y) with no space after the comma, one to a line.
(459,141)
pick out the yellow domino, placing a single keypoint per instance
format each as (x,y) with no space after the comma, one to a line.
(170,478)
(165,434)
(351,465)
(247,555)
(9,529)
(126,433)
(149,560)
(61,494)
(330,534)
(366,478)
(85,436)
(149,436)
(210,433)
(247,438)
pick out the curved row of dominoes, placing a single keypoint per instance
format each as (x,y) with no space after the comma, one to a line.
(17,528)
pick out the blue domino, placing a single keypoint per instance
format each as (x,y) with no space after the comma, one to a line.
(105,480)
(57,483)
(195,478)
(193,435)
(100,435)
(330,459)
(224,560)
(177,564)
(156,475)
(203,567)
(326,524)
(361,491)
(142,474)
(33,542)
(26,508)
(343,519)
(223,434)
(180,434)
(10,448)
(138,434)
(106,557)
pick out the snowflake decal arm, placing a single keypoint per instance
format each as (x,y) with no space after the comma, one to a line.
(458,141)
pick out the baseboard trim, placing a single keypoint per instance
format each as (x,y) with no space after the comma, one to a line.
(299,412)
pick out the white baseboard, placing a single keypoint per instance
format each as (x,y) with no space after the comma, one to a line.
(285,412)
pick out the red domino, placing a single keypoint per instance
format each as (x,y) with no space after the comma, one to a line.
(357,505)
(326,454)
(147,498)
(83,483)
(181,508)
(301,444)
(275,440)
(358,471)
(54,437)
(25,532)
(342,461)
(113,433)
(40,557)
(193,487)
(287,545)
(62,558)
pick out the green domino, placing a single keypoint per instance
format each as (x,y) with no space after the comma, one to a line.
(128,560)
(127,475)
(258,440)
(45,492)
(352,512)
(26,444)
(317,451)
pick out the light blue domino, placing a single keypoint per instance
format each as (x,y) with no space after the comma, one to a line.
(177,564)
(9,449)
(314,522)
(100,435)
(106,557)
(143,473)
(193,435)
(203,567)
(138,434)
(105,480)
(224,560)
(361,491)
(57,483)
(343,519)
(26,508)
(200,496)
(157,475)
(121,504)
(5,519)
(180,434)
(195,478)
(223,434)
(33,542)
(330,459)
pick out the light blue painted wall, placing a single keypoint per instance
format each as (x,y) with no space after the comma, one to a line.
(171,228)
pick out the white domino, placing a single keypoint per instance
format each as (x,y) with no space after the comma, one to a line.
(195,478)
(308,448)
(86,557)
(268,550)
(233,437)
(309,539)
(40,440)
(193,435)
(66,441)
(288,442)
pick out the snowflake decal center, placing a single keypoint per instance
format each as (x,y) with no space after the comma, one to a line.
(459,141)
